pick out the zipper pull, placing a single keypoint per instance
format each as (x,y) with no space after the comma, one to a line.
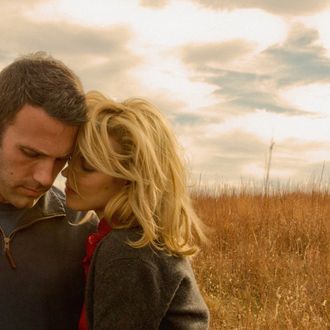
(8,253)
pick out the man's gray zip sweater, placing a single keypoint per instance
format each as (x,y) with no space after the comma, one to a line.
(41,275)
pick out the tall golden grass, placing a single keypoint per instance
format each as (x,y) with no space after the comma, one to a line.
(267,265)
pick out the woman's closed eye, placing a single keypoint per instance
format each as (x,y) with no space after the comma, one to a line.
(85,166)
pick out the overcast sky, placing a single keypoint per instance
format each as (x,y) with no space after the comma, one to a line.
(230,75)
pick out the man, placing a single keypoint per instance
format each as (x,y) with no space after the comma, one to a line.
(41,278)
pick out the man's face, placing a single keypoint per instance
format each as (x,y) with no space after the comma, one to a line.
(33,150)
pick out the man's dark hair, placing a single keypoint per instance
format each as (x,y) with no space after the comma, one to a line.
(40,80)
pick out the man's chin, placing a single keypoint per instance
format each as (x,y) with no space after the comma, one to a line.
(24,202)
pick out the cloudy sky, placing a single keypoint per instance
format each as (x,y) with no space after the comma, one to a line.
(232,76)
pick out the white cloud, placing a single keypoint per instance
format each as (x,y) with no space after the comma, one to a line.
(280,127)
(291,7)
(313,98)
(157,32)
(320,22)
(177,23)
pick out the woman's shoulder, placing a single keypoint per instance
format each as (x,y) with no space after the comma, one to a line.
(117,241)
(115,247)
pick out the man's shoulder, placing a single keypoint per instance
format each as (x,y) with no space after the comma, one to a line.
(54,203)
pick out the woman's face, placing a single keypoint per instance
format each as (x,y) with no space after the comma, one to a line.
(92,189)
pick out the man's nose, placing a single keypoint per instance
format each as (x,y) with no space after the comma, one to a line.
(45,172)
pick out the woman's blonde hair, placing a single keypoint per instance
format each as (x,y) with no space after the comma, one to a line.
(132,141)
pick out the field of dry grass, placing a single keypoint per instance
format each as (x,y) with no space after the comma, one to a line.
(267,265)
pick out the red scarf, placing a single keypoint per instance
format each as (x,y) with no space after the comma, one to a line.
(91,244)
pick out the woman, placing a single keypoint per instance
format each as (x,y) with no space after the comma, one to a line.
(127,169)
